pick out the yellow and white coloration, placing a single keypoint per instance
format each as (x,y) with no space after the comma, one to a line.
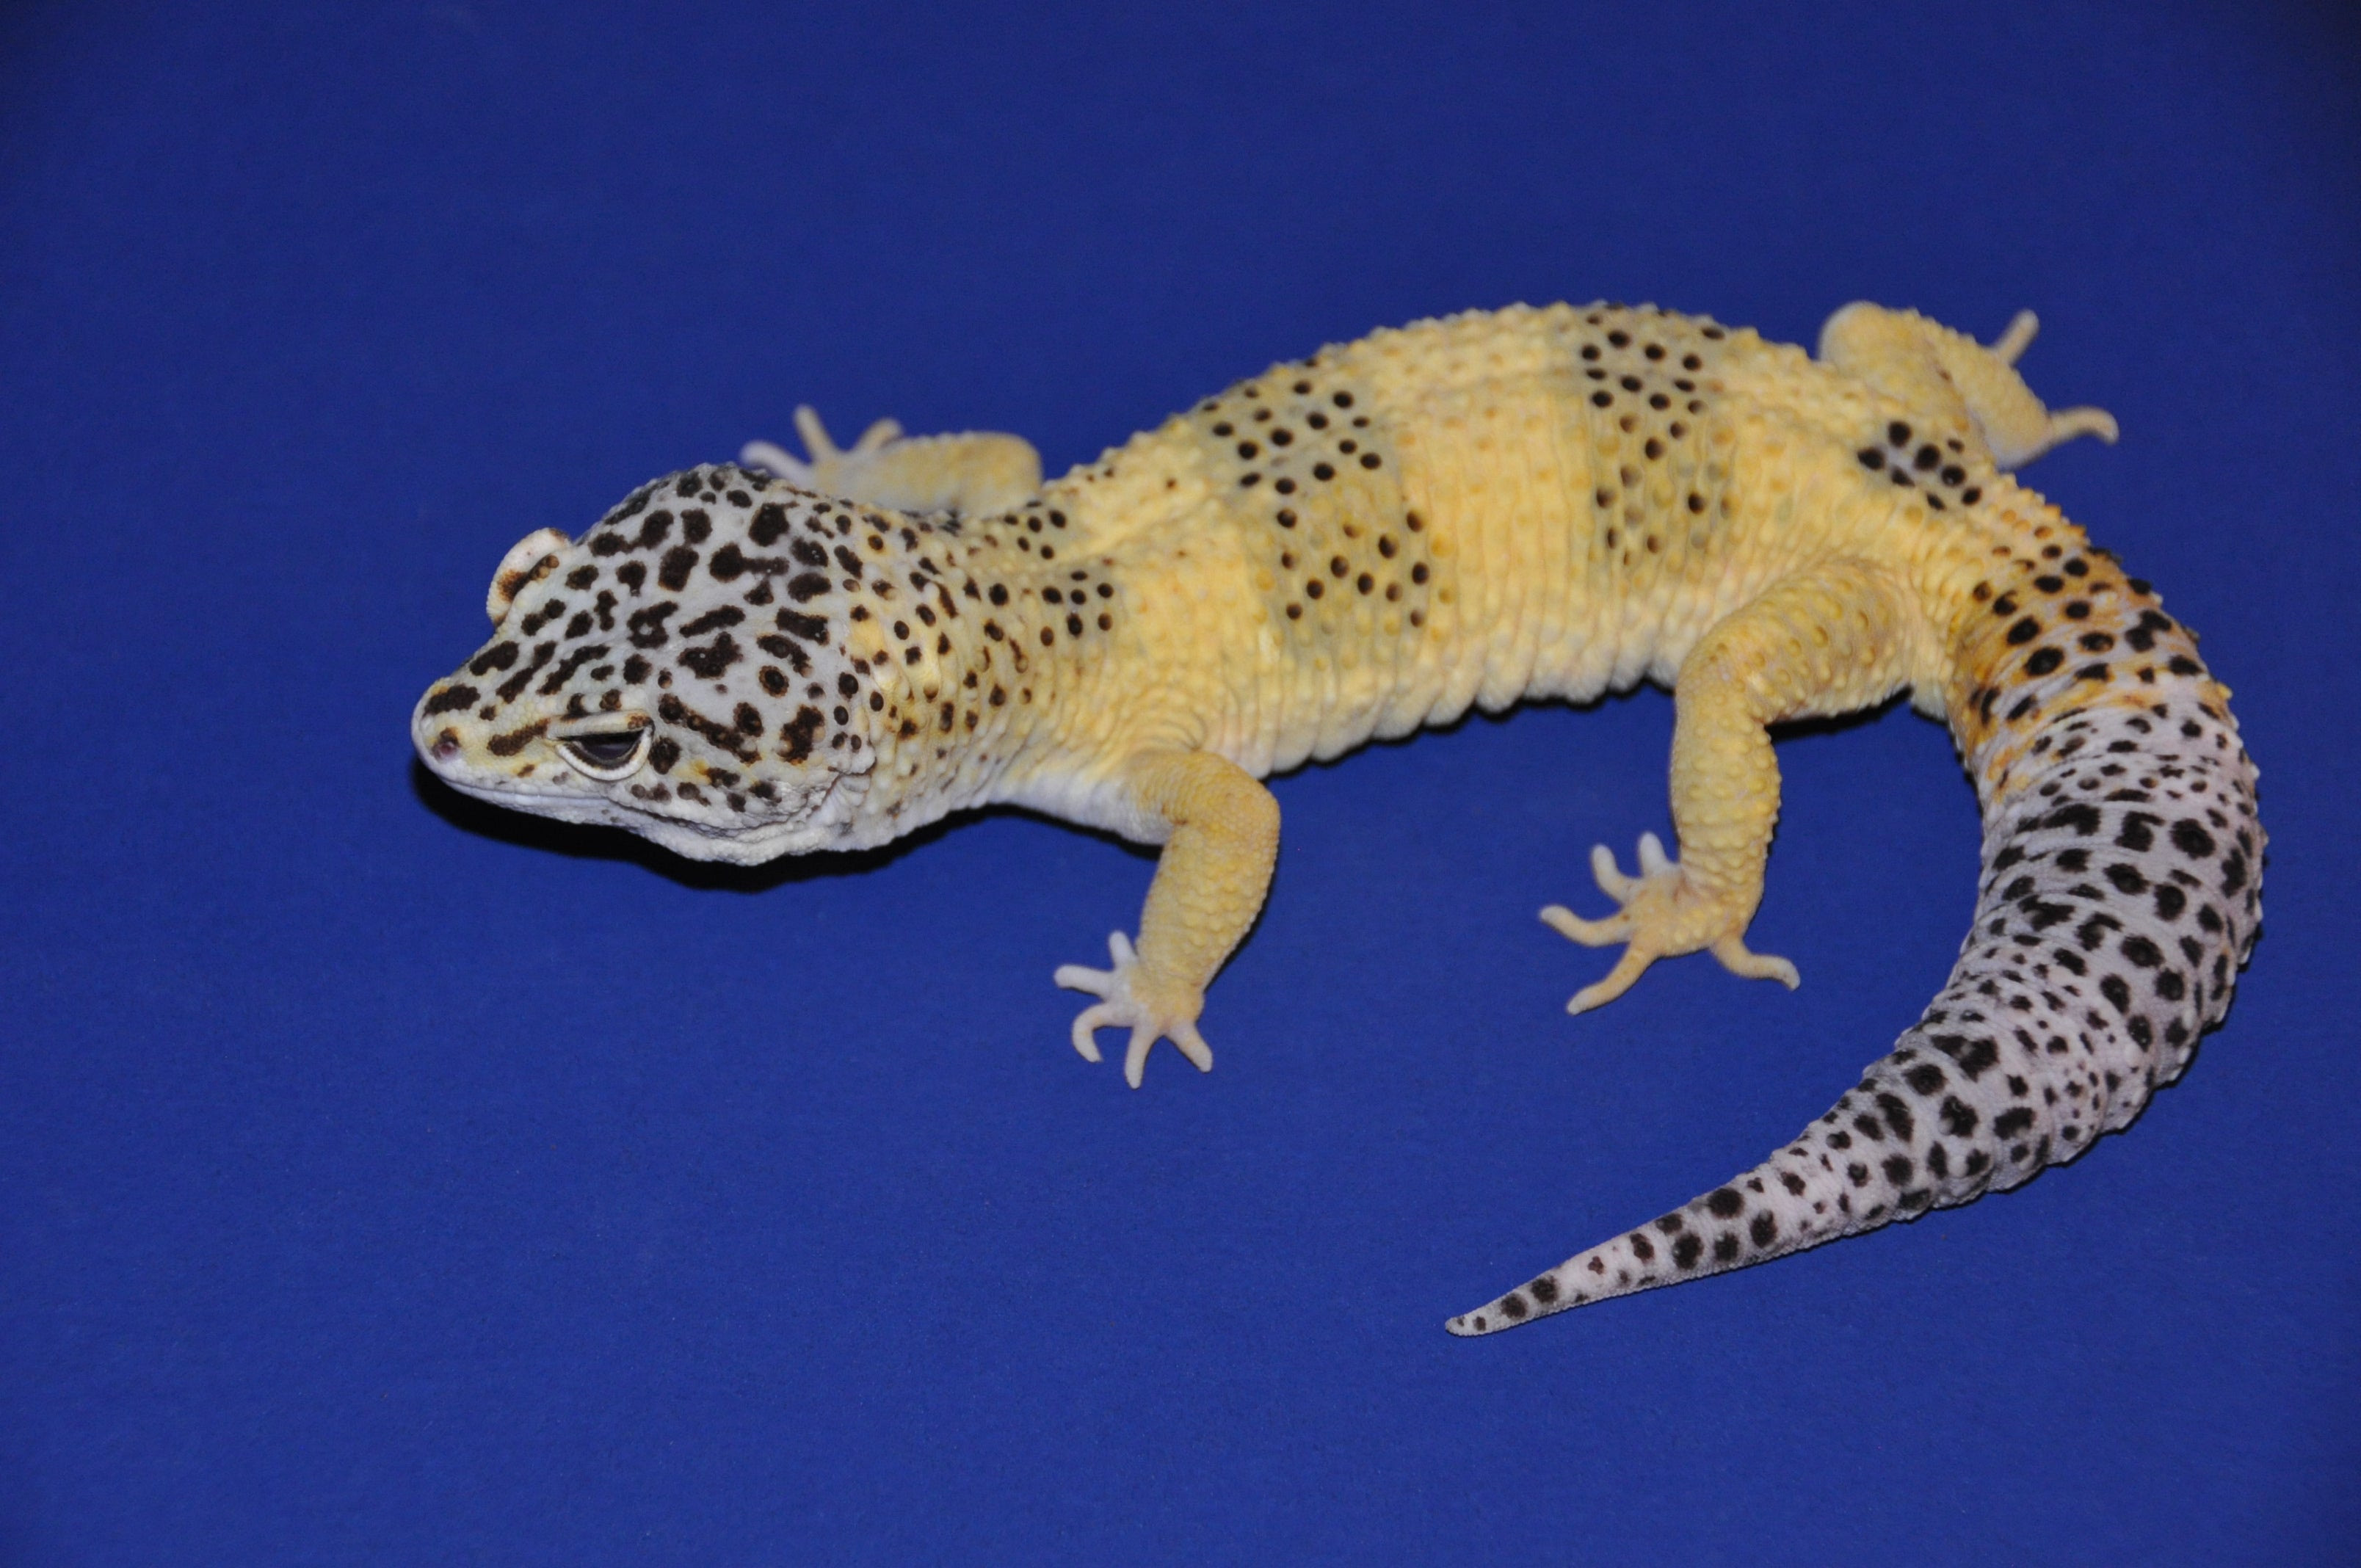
(1532,503)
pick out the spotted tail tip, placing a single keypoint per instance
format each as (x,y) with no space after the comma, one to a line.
(1543,1297)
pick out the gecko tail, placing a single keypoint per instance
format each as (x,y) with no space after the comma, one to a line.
(2120,894)
(1919,1132)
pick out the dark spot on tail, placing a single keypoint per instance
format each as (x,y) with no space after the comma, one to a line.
(1970,1055)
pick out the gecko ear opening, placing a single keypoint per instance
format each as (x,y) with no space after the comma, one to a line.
(527,559)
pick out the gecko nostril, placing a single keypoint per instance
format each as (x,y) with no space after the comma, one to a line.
(446,746)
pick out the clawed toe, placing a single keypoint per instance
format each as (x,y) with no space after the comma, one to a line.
(1732,952)
(1190,1045)
(1611,881)
(1589,933)
(1086,1023)
(1105,984)
(776,461)
(2065,424)
(1628,969)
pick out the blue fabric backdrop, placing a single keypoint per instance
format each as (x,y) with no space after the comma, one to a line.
(385,1179)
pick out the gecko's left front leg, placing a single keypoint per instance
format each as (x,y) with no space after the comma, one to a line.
(1222,839)
(1830,640)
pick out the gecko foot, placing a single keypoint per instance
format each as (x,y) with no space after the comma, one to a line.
(972,471)
(819,470)
(1130,996)
(2064,424)
(1664,915)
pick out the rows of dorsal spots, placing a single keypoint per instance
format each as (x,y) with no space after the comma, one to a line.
(1940,469)
(1036,608)
(1645,379)
(1026,625)
(1036,529)
(895,581)
(1300,461)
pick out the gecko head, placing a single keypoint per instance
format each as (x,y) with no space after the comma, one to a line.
(680,671)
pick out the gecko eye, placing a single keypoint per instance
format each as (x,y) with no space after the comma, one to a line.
(606,757)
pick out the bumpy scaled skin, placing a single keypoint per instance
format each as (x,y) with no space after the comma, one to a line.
(1555,502)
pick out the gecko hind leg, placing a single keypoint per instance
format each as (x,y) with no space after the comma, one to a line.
(1931,367)
(2057,425)
(1825,641)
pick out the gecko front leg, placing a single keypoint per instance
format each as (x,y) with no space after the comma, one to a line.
(972,472)
(1221,841)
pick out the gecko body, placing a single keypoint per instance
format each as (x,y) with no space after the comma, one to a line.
(1476,510)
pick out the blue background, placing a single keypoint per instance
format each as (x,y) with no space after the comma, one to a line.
(383,1179)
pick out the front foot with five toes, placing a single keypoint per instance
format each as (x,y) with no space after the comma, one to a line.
(1130,996)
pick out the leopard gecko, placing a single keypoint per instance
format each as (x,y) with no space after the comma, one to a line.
(782,655)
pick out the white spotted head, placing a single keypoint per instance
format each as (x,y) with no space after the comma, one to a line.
(678,671)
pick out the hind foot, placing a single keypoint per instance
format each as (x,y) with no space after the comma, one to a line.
(1664,915)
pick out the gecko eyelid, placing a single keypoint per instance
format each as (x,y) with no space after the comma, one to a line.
(608,755)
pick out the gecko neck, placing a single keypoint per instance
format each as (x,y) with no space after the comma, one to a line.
(963,634)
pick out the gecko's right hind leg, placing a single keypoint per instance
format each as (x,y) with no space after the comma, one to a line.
(1930,366)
